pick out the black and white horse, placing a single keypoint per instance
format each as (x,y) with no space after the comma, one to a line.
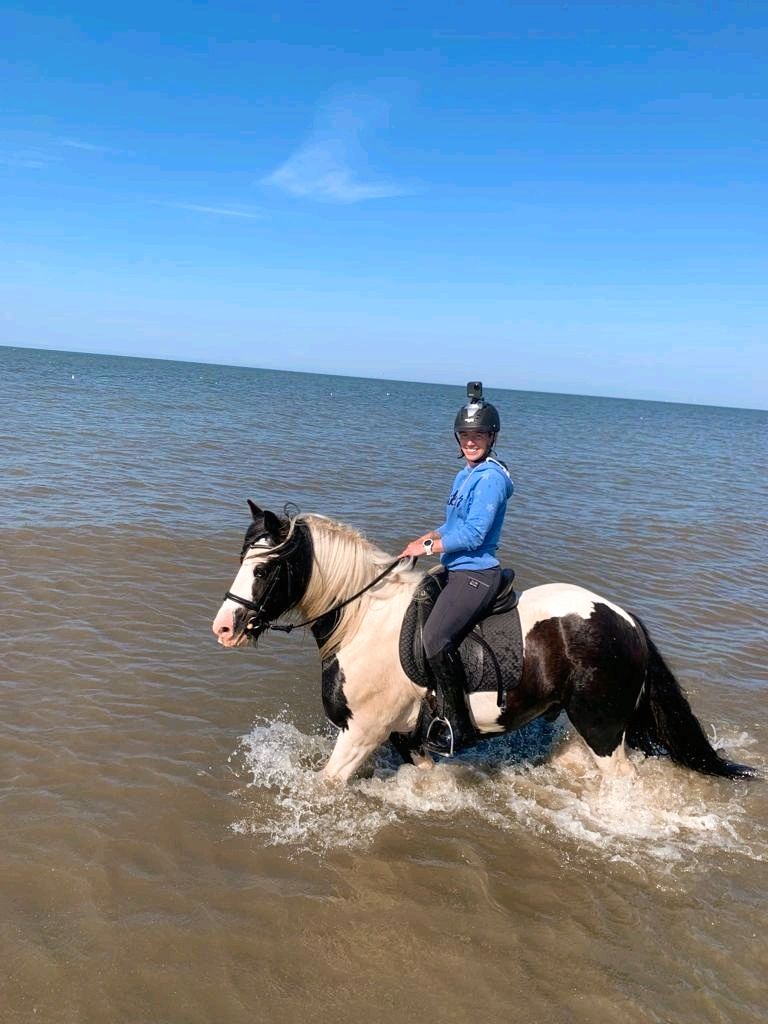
(582,654)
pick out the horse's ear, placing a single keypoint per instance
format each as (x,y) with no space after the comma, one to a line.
(272,524)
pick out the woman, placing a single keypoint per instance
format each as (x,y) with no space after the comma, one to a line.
(466,543)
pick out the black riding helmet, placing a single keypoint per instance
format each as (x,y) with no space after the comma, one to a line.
(477,414)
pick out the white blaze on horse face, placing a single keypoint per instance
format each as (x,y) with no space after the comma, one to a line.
(242,586)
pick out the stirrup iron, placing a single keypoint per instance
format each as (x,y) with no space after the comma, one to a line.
(431,745)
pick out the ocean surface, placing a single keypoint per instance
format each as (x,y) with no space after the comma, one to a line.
(169,854)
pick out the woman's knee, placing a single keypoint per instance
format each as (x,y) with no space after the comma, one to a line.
(433,640)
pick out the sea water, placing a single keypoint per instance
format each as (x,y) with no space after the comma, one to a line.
(169,851)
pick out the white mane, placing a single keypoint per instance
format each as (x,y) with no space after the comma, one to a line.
(344,563)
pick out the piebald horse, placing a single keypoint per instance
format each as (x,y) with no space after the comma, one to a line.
(582,654)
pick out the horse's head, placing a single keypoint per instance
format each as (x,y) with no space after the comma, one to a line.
(275,566)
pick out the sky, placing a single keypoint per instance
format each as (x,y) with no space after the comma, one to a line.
(567,197)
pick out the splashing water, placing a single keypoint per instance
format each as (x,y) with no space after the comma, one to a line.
(662,813)
(291,804)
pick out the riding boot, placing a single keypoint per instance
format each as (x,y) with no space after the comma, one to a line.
(452,729)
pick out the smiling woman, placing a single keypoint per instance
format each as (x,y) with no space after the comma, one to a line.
(467,543)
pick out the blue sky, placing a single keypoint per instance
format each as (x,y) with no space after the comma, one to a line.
(558,197)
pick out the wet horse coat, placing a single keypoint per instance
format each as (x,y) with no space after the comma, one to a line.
(582,654)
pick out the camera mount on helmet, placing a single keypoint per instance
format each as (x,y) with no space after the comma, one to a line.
(477,414)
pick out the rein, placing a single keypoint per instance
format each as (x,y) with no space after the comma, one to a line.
(288,627)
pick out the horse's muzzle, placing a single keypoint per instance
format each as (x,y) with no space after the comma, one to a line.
(231,630)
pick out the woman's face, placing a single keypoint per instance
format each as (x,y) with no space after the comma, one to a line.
(474,444)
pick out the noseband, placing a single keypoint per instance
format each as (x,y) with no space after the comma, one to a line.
(259,619)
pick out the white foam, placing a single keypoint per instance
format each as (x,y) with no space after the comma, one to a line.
(664,815)
(292,805)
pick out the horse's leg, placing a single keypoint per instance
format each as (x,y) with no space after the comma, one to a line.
(575,754)
(422,761)
(403,744)
(608,659)
(591,664)
(600,709)
(353,746)
(615,764)
(572,754)
(367,694)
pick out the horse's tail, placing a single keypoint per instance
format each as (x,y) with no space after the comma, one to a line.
(663,721)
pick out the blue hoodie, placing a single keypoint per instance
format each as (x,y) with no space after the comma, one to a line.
(474,516)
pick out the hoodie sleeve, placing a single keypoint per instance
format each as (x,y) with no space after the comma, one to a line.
(486,497)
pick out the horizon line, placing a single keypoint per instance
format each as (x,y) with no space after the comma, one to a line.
(391,380)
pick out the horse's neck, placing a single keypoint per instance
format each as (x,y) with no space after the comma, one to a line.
(344,565)
(368,628)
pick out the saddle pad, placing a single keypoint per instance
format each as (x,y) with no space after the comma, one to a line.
(492,654)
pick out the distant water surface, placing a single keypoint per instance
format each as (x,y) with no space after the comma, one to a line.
(169,854)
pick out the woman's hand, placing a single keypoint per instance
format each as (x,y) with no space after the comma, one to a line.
(413,550)
(416,547)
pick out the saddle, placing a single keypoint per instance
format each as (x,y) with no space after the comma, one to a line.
(492,653)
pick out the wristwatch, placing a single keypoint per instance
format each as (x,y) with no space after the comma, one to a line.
(428,545)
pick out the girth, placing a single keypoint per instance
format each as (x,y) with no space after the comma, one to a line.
(492,653)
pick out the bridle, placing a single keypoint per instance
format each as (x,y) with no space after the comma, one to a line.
(259,618)
(259,621)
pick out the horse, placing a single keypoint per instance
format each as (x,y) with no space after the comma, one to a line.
(582,654)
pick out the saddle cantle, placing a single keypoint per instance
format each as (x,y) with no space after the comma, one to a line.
(492,653)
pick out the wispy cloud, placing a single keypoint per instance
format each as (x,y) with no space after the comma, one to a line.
(319,171)
(30,159)
(90,147)
(222,211)
(37,150)
(324,167)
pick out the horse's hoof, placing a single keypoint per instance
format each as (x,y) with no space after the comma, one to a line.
(421,761)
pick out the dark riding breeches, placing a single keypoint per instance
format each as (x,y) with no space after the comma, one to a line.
(459,606)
